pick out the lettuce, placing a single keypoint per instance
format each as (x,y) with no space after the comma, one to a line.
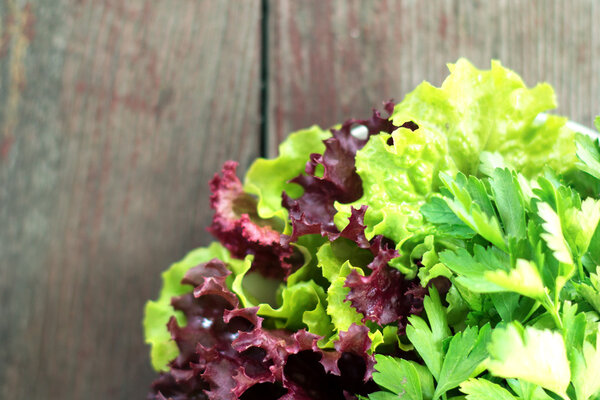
(159,312)
(269,178)
(317,286)
(472,112)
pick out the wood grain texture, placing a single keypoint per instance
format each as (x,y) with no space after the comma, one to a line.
(113,116)
(331,60)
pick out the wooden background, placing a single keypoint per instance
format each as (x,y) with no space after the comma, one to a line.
(114,114)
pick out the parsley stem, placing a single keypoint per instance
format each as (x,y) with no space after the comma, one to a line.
(531,311)
(550,306)
(580,269)
(447,244)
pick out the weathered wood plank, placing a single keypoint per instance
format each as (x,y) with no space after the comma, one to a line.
(331,60)
(113,116)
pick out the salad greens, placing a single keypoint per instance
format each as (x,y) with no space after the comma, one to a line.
(451,252)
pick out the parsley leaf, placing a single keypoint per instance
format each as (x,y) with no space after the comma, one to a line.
(471,269)
(590,289)
(482,389)
(585,364)
(527,390)
(437,211)
(554,235)
(466,351)
(472,205)
(406,379)
(536,356)
(428,340)
(523,279)
(588,152)
(509,201)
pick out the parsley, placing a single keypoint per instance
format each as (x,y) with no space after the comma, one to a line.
(523,309)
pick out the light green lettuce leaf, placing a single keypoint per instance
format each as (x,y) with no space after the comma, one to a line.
(254,289)
(341,311)
(474,111)
(332,255)
(431,265)
(268,179)
(302,304)
(491,110)
(307,246)
(397,179)
(157,313)
(335,261)
(241,282)
(386,337)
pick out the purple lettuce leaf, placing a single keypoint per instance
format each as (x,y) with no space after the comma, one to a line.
(238,227)
(226,354)
(313,211)
(384,296)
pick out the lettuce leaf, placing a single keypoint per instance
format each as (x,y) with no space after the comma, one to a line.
(225,353)
(268,179)
(465,187)
(331,177)
(474,111)
(158,313)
